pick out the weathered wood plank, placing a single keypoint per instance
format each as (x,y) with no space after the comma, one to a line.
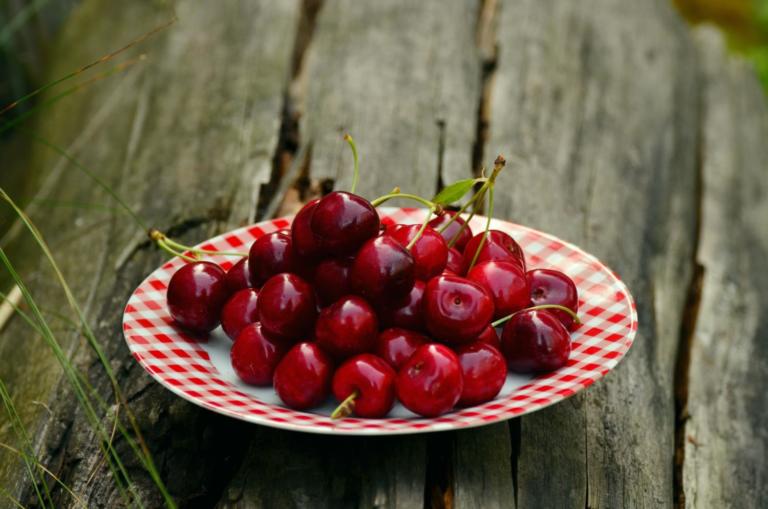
(725,435)
(602,123)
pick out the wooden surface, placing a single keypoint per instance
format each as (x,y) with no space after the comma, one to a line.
(625,135)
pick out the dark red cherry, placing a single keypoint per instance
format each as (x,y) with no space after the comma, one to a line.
(406,312)
(454,263)
(372,379)
(305,243)
(499,246)
(553,287)
(430,383)
(396,345)
(506,283)
(483,370)
(238,277)
(489,336)
(457,309)
(254,355)
(287,306)
(534,341)
(343,221)
(239,311)
(430,254)
(382,270)
(196,294)
(331,280)
(347,327)
(271,254)
(452,230)
(303,377)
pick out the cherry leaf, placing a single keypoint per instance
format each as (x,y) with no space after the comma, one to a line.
(454,192)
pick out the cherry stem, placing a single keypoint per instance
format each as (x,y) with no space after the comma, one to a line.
(498,165)
(165,247)
(381,199)
(171,246)
(420,232)
(540,306)
(346,407)
(356,174)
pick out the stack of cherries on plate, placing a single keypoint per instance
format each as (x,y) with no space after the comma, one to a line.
(341,303)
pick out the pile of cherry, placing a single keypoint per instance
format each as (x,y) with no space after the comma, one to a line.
(343,304)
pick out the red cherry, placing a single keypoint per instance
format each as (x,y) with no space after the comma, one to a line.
(372,379)
(196,294)
(454,263)
(505,282)
(254,355)
(331,280)
(286,306)
(305,243)
(397,345)
(499,246)
(406,312)
(489,336)
(430,254)
(347,327)
(303,377)
(238,277)
(430,383)
(382,270)
(343,221)
(553,287)
(457,309)
(483,371)
(271,254)
(535,340)
(452,230)
(239,311)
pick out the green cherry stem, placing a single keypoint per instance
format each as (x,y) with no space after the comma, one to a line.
(381,199)
(177,245)
(176,249)
(165,247)
(540,306)
(346,407)
(487,228)
(356,174)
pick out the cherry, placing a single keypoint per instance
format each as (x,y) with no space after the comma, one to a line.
(286,306)
(498,246)
(454,263)
(430,383)
(303,377)
(343,221)
(331,280)
(534,341)
(238,277)
(383,269)
(452,230)
(457,309)
(483,370)
(489,336)
(305,243)
(271,254)
(347,327)
(239,311)
(196,294)
(254,355)
(430,253)
(396,345)
(406,312)
(553,287)
(506,283)
(369,382)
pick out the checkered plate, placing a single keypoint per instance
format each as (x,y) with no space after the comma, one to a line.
(199,370)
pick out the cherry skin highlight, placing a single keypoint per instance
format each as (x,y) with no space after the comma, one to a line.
(287,307)
(238,277)
(430,254)
(372,379)
(457,309)
(483,370)
(499,246)
(271,254)
(550,286)
(396,345)
(383,270)
(303,377)
(239,311)
(507,284)
(305,243)
(454,262)
(342,222)
(331,280)
(254,355)
(196,294)
(430,382)
(535,341)
(452,230)
(347,327)
(406,312)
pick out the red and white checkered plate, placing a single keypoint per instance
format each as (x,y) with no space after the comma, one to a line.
(200,370)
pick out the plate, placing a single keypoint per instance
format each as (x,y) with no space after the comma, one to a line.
(199,370)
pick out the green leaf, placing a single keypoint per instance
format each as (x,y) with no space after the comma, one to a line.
(454,192)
